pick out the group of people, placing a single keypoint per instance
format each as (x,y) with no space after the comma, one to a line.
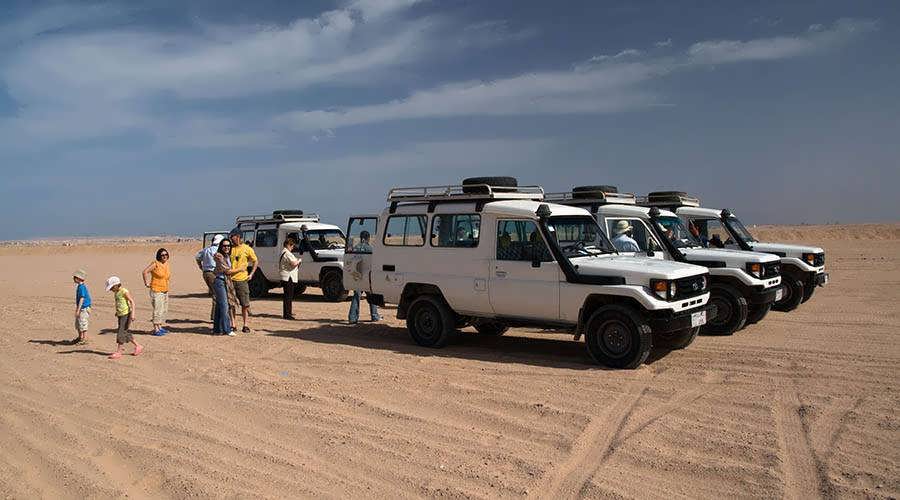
(228,266)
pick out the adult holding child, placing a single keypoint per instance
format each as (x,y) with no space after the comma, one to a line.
(242,256)
(288,264)
(156,278)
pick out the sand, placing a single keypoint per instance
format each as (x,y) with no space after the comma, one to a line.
(802,405)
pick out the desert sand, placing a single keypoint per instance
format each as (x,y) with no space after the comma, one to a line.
(802,405)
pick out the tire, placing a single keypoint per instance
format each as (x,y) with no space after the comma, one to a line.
(299,290)
(678,339)
(502,182)
(757,312)
(494,328)
(430,322)
(792,294)
(617,337)
(590,191)
(731,314)
(667,193)
(333,286)
(808,290)
(259,286)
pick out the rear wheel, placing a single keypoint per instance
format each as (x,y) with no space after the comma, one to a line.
(494,328)
(678,339)
(430,322)
(616,337)
(791,295)
(757,312)
(333,286)
(731,311)
(808,290)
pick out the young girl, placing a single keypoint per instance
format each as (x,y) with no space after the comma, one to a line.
(124,314)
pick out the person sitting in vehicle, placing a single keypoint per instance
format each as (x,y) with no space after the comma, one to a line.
(692,227)
(716,241)
(621,239)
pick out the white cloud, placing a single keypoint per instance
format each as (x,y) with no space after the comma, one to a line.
(663,43)
(372,9)
(600,85)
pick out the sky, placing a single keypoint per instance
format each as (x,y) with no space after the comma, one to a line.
(165,117)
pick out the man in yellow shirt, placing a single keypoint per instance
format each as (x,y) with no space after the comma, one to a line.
(242,255)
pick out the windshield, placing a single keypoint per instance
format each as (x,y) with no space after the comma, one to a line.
(579,236)
(321,239)
(738,229)
(672,229)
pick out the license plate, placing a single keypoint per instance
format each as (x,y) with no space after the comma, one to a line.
(698,319)
(825,280)
(779,294)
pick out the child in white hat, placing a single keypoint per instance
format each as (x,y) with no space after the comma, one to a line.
(82,307)
(124,315)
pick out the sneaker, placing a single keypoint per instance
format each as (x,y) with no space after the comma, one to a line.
(231,334)
(164,330)
(159,333)
(81,342)
(245,329)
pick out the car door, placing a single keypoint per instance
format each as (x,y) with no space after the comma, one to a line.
(268,251)
(519,287)
(361,233)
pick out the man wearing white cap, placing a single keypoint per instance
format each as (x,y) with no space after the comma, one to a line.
(207,263)
(621,240)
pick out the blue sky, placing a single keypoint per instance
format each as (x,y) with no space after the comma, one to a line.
(160,118)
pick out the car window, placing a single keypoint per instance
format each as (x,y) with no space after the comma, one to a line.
(630,234)
(266,238)
(360,227)
(455,230)
(519,239)
(325,239)
(405,230)
(712,233)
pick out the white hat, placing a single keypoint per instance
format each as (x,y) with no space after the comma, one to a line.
(622,227)
(112,281)
(218,239)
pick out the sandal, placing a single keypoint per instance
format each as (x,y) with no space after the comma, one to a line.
(115,355)
(138,350)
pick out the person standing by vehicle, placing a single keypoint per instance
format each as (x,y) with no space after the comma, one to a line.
(362,247)
(156,278)
(222,320)
(207,264)
(287,266)
(242,255)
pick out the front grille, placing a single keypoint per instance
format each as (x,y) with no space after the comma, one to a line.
(771,270)
(686,288)
(819,260)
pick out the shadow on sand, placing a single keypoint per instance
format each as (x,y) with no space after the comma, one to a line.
(550,352)
(85,351)
(54,343)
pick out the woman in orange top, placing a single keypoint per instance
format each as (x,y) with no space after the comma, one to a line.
(156,278)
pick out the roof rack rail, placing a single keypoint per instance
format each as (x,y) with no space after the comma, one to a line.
(279,216)
(591,198)
(474,192)
(668,199)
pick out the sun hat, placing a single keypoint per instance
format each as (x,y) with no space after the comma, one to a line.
(622,227)
(218,239)
(80,274)
(112,281)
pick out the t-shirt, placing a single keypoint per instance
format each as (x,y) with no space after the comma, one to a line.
(624,243)
(81,291)
(159,277)
(240,256)
(122,308)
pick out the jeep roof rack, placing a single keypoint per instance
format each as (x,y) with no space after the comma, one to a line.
(591,198)
(664,199)
(462,193)
(279,216)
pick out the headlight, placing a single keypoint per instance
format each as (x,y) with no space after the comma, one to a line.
(664,289)
(809,258)
(703,283)
(755,269)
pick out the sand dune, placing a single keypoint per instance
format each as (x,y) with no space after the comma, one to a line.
(802,405)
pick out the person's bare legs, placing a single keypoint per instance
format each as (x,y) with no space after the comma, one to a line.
(138,348)
(245,313)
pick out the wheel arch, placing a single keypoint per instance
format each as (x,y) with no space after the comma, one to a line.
(413,290)
(594,302)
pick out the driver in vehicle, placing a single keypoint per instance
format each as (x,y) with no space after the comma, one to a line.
(621,239)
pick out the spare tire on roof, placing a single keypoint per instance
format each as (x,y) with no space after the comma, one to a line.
(476,184)
(666,194)
(593,191)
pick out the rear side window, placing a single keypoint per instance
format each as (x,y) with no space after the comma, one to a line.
(519,240)
(266,238)
(405,231)
(460,231)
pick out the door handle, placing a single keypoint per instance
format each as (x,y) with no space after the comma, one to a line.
(500,274)
(388,267)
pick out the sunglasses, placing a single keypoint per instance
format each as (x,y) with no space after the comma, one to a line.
(163,255)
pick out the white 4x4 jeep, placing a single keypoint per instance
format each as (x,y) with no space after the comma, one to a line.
(321,246)
(743,285)
(493,255)
(802,267)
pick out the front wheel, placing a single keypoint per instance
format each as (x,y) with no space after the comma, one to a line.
(617,337)
(333,286)
(678,339)
(430,322)
(757,312)
(731,309)
(792,294)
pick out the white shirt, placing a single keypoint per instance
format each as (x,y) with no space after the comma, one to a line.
(287,266)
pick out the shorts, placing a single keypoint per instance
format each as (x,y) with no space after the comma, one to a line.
(83,319)
(160,302)
(242,290)
(123,336)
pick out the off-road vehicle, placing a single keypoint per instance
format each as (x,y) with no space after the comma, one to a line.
(743,285)
(492,255)
(802,267)
(321,246)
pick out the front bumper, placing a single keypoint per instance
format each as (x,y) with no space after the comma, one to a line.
(821,279)
(668,321)
(763,295)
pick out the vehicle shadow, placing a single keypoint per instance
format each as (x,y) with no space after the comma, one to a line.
(549,352)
